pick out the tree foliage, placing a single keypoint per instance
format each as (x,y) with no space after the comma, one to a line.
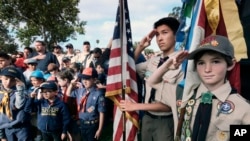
(6,40)
(52,20)
(176,13)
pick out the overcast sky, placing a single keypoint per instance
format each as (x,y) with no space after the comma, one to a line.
(100,16)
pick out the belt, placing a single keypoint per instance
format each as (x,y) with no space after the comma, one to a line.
(89,121)
(158,116)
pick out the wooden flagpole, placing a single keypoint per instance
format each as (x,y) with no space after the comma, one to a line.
(123,65)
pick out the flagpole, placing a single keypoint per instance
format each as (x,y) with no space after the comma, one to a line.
(123,65)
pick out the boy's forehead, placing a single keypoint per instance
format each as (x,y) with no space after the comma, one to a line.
(6,76)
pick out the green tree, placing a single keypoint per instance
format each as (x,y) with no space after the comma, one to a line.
(6,40)
(52,20)
(176,13)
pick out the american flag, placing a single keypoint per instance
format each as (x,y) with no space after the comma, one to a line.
(122,76)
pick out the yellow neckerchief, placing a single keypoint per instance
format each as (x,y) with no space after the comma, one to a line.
(5,104)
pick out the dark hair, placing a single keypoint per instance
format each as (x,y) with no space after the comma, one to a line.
(41,42)
(29,49)
(97,50)
(52,67)
(66,74)
(171,22)
(20,54)
(100,64)
(228,59)
(78,66)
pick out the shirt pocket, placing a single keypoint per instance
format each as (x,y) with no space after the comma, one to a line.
(223,123)
(222,128)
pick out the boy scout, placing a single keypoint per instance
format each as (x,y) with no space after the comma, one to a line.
(213,105)
(157,122)
(212,59)
(90,103)
(12,102)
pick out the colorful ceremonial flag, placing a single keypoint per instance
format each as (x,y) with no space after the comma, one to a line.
(218,17)
(122,76)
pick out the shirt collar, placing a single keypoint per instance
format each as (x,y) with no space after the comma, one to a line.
(220,93)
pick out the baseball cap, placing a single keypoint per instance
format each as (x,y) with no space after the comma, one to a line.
(4,55)
(215,43)
(86,43)
(37,74)
(88,73)
(49,85)
(57,46)
(69,45)
(13,72)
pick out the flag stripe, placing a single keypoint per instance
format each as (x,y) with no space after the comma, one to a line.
(122,70)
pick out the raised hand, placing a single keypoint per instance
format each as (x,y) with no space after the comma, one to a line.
(146,41)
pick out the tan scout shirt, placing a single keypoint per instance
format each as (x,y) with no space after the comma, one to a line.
(168,91)
(145,69)
(79,58)
(59,58)
(236,110)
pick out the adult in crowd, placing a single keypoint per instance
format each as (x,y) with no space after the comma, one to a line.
(57,51)
(70,51)
(97,56)
(42,56)
(85,56)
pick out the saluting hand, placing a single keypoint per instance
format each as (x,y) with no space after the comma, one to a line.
(146,41)
(175,61)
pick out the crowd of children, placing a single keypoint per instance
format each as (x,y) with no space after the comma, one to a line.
(38,105)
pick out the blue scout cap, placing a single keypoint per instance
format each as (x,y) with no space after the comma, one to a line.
(13,72)
(215,43)
(49,85)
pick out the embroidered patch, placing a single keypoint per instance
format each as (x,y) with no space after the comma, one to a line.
(206,98)
(189,110)
(91,109)
(222,136)
(191,102)
(226,107)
